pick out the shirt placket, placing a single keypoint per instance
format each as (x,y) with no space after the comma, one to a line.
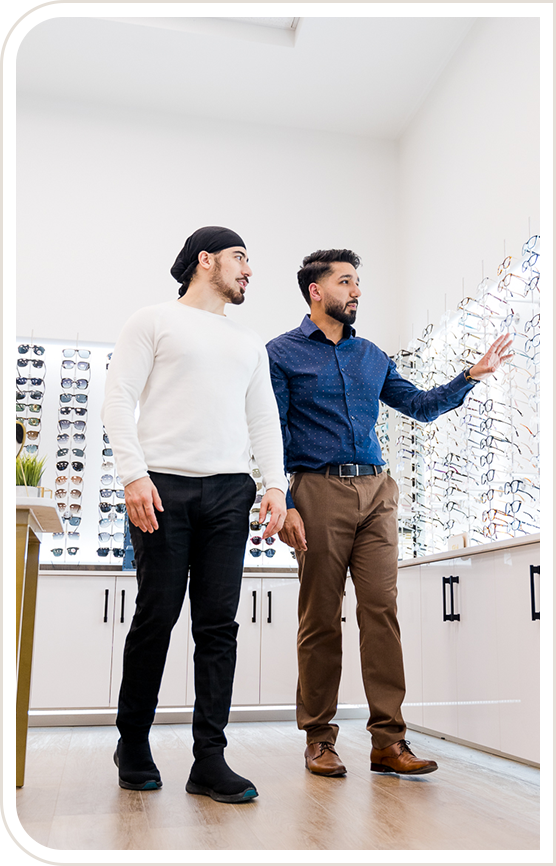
(340,352)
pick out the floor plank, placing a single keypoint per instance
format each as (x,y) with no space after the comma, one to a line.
(475,801)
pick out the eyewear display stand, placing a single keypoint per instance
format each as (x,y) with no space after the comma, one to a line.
(34,515)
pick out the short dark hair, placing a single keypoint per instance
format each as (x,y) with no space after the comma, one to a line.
(319,265)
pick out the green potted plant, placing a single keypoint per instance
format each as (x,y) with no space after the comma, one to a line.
(29,469)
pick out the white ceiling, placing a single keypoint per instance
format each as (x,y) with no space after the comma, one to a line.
(360,76)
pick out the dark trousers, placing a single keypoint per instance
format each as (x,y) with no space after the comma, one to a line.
(202,531)
(349,523)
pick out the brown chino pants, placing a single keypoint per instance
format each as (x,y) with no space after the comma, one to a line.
(349,522)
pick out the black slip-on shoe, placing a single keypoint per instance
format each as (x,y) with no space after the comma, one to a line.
(241,797)
(138,771)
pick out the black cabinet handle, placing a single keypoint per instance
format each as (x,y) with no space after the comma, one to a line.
(123,606)
(254,614)
(533,570)
(269,596)
(106,594)
(449,617)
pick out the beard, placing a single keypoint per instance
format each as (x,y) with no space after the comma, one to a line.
(339,312)
(230,294)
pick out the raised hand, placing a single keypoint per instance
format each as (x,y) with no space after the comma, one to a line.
(496,355)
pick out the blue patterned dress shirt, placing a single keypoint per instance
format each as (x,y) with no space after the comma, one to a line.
(328,397)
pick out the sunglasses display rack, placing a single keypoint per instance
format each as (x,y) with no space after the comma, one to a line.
(29,393)
(264,551)
(475,471)
(111,506)
(71,440)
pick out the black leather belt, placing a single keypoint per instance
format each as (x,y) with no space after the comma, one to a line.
(346,470)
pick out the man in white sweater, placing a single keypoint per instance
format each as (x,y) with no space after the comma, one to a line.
(203,386)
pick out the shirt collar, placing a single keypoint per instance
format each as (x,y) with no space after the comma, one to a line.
(312,331)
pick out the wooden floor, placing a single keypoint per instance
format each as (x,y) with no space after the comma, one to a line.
(475,801)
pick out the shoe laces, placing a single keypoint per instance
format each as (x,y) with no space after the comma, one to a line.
(325,746)
(404,747)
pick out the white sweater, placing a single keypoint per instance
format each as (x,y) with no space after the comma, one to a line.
(205,397)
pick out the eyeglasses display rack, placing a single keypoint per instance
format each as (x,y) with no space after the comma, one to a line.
(475,471)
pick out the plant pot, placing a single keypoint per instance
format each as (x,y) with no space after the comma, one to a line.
(21,490)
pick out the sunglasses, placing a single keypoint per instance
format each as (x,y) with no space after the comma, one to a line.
(23,348)
(22,380)
(65,424)
(63,452)
(61,493)
(81,365)
(34,395)
(107,492)
(105,507)
(69,353)
(256,551)
(258,540)
(31,449)
(67,410)
(104,537)
(64,437)
(116,551)
(79,383)
(62,465)
(72,520)
(112,521)
(73,507)
(75,479)
(79,398)
(23,362)
(32,407)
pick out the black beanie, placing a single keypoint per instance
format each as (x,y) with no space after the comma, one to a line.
(211,239)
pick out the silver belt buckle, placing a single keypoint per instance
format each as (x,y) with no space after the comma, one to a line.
(341,474)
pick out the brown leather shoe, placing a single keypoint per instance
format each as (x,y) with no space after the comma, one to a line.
(398,758)
(323,759)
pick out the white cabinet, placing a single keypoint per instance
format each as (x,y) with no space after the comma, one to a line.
(438,648)
(72,653)
(518,634)
(278,677)
(409,618)
(470,635)
(81,623)
(477,661)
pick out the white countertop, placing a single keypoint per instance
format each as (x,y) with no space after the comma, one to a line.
(43,510)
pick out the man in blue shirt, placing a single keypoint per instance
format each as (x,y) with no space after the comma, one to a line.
(342,506)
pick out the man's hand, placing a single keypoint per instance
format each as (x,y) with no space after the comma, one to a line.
(494,357)
(274,501)
(141,498)
(293,530)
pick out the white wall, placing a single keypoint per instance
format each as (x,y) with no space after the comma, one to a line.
(469,170)
(106,200)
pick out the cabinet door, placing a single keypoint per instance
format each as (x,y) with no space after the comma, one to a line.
(409,618)
(351,683)
(73,642)
(172,689)
(518,652)
(439,649)
(247,675)
(279,640)
(476,661)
